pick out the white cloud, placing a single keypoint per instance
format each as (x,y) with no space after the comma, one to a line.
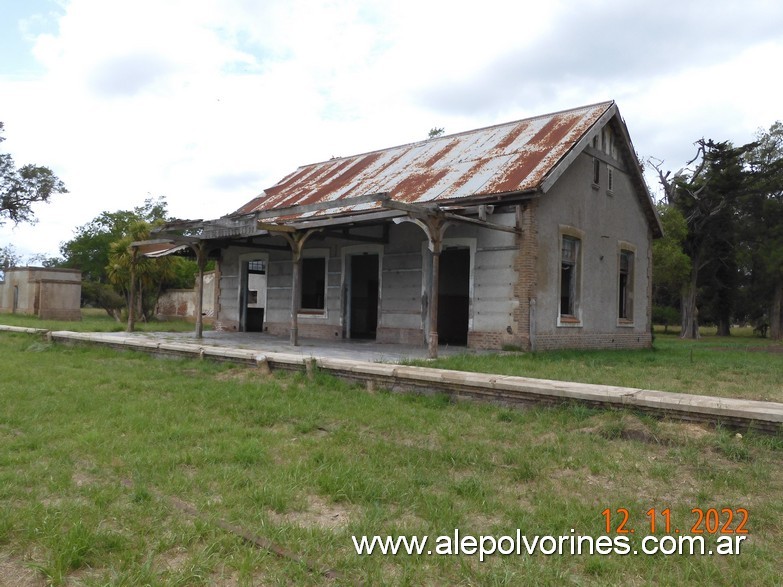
(209,101)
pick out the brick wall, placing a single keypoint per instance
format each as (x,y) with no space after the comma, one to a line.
(306,330)
(525,287)
(407,336)
(573,338)
(496,340)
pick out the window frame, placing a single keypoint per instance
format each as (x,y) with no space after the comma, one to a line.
(625,307)
(310,255)
(257,266)
(573,319)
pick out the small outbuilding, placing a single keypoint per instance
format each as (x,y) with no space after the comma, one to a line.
(534,234)
(51,294)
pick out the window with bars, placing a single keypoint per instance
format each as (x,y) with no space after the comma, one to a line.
(256,267)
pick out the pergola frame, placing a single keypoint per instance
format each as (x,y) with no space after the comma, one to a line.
(290,224)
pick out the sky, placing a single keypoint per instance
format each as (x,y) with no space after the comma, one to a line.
(208,102)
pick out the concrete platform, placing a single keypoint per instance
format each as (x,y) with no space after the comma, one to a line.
(359,350)
(377,366)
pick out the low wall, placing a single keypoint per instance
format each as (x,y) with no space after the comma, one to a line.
(507,390)
(182,303)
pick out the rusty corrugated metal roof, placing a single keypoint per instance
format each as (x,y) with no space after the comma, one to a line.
(506,158)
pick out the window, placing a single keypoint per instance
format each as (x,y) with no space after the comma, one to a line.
(608,139)
(256,267)
(609,179)
(596,172)
(625,294)
(313,283)
(569,277)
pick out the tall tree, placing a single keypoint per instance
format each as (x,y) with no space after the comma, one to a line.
(708,195)
(763,221)
(89,249)
(21,188)
(9,259)
(151,276)
(671,266)
(99,250)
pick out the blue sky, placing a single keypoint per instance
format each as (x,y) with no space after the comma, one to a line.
(21,22)
(207,102)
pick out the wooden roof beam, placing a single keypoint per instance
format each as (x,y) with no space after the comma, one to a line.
(318,206)
(483,223)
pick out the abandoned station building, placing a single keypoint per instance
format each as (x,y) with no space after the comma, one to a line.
(535,234)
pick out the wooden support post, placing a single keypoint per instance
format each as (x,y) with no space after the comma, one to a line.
(296,240)
(132,291)
(201,260)
(296,296)
(432,343)
(434,226)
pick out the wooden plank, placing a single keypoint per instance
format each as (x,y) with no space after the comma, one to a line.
(275,227)
(483,223)
(317,206)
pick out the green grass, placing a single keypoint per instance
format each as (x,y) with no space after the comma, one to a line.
(94,444)
(94,320)
(740,366)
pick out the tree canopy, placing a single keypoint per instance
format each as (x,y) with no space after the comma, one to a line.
(9,259)
(100,249)
(22,187)
(89,249)
(728,264)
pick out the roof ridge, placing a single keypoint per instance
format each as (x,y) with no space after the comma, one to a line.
(607,103)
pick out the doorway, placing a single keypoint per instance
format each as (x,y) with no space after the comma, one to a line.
(363,314)
(454,296)
(254,298)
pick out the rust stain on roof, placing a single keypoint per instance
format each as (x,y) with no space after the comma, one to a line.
(511,157)
(515,133)
(524,172)
(554,130)
(250,206)
(345,180)
(417,183)
(440,154)
(316,182)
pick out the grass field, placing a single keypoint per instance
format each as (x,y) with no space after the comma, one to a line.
(742,366)
(97,446)
(93,320)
